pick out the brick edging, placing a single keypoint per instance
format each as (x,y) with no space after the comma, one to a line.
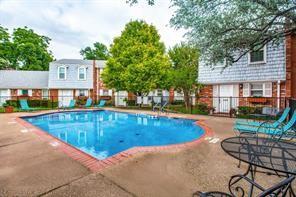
(96,165)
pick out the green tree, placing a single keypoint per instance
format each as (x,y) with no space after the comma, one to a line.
(232,28)
(31,50)
(138,63)
(185,69)
(4,64)
(7,54)
(98,52)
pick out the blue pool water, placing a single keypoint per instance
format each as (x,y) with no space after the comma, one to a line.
(105,133)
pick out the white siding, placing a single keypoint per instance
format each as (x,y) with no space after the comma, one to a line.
(71,81)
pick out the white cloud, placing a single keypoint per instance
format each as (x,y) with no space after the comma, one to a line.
(73,25)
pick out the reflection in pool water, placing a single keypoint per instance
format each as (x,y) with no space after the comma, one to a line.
(105,133)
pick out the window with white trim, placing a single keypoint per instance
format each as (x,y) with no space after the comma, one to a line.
(81,73)
(158,92)
(62,72)
(45,94)
(258,56)
(105,92)
(25,92)
(82,92)
(257,89)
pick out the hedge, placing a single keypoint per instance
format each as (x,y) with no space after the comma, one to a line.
(247,110)
(35,103)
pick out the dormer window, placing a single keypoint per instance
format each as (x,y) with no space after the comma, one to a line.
(258,56)
(81,73)
(62,72)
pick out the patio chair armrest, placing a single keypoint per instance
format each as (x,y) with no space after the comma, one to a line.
(236,178)
(267,125)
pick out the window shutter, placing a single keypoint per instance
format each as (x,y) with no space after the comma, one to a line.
(215,91)
(19,92)
(8,93)
(77,92)
(110,92)
(267,89)
(246,90)
(101,92)
(30,92)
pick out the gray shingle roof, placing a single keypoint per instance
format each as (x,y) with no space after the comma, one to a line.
(273,70)
(23,79)
(99,63)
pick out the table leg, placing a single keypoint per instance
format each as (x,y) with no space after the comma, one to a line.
(250,173)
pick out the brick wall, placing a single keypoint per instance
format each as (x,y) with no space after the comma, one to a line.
(54,94)
(290,86)
(36,94)
(205,95)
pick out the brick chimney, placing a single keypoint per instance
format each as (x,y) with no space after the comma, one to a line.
(290,66)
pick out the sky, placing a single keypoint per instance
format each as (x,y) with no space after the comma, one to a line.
(75,24)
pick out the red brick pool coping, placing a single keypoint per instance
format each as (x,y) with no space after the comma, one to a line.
(96,165)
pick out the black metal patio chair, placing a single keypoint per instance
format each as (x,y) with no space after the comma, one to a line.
(281,189)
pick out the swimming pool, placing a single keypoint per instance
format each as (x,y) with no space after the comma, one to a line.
(105,133)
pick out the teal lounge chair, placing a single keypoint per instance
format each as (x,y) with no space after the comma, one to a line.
(102,103)
(279,130)
(88,102)
(25,106)
(71,104)
(258,124)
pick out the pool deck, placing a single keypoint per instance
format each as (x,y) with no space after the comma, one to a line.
(33,165)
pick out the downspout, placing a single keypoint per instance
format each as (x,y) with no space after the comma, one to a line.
(278,94)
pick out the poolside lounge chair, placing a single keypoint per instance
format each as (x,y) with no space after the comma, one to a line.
(102,103)
(71,104)
(88,102)
(264,128)
(25,106)
(258,124)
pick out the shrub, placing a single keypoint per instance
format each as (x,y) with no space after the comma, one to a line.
(247,110)
(178,102)
(201,108)
(109,103)
(34,103)
(131,103)
(81,100)
(13,103)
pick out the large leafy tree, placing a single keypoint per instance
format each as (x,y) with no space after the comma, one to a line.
(31,49)
(7,54)
(229,29)
(98,52)
(138,63)
(24,49)
(185,69)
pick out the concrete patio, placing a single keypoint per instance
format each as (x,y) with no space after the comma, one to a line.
(32,167)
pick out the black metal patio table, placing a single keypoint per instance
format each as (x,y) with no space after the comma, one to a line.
(277,156)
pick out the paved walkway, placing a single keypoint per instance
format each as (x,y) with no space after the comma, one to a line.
(32,167)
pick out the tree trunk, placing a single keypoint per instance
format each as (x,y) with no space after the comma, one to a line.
(186,99)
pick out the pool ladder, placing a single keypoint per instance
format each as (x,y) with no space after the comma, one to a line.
(161,108)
